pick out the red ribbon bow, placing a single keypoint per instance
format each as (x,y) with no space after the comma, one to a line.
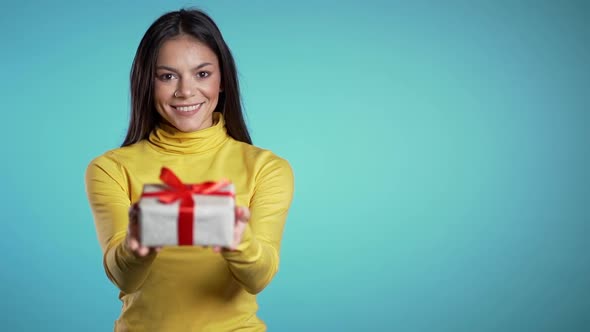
(184,192)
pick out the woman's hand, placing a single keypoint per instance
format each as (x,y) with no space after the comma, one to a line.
(242,217)
(132,240)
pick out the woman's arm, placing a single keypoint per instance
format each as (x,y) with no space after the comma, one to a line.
(256,259)
(110,203)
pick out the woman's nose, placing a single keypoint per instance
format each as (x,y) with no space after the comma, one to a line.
(186,88)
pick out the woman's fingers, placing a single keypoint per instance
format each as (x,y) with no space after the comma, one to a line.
(242,214)
(142,251)
(133,240)
(133,244)
(242,217)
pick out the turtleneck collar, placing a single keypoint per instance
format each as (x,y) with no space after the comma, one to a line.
(169,139)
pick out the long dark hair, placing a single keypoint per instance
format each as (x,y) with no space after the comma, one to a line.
(193,22)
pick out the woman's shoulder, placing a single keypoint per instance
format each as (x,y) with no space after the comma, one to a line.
(254,152)
(263,160)
(119,156)
(114,164)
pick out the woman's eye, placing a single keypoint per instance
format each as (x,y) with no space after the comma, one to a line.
(166,77)
(203,74)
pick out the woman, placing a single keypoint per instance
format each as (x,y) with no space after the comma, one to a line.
(186,115)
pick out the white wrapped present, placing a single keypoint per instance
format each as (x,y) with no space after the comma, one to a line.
(177,214)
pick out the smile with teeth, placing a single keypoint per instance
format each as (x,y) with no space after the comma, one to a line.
(188,108)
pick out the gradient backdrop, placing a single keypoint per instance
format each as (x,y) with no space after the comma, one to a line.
(441,153)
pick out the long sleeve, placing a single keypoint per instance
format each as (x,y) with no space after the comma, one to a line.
(256,259)
(110,202)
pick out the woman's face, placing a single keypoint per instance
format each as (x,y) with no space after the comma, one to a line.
(187,83)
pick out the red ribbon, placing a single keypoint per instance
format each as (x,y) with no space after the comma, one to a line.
(184,192)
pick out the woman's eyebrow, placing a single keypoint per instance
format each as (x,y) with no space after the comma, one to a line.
(176,71)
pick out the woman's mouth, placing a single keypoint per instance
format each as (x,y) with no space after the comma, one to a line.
(187,109)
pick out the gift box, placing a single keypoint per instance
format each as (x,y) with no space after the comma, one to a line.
(178,214)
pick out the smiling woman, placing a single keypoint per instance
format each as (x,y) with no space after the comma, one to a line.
(186,115)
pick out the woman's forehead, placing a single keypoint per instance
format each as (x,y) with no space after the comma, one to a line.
(185,51)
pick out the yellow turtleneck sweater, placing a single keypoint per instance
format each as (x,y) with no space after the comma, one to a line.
(191,288)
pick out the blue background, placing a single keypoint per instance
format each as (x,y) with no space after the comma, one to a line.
(441,153)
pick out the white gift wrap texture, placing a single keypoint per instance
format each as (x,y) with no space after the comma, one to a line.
(213,219)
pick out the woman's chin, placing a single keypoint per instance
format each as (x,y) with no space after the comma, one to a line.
(188,127)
